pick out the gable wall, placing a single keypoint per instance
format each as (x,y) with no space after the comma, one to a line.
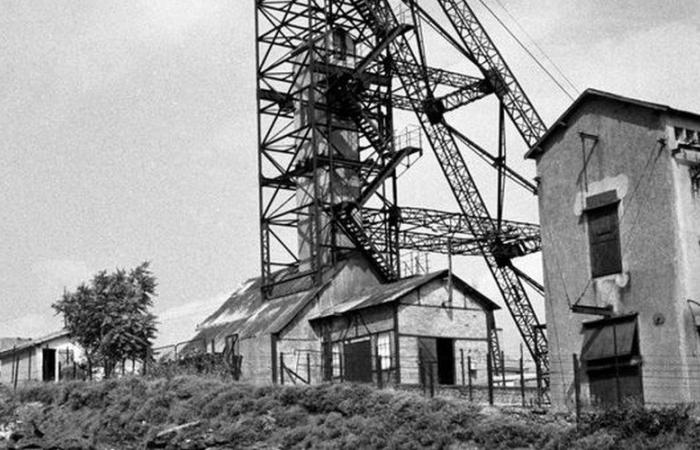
(629,159)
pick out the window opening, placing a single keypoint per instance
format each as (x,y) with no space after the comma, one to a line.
(604,240)
(384,350)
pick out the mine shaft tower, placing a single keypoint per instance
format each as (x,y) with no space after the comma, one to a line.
(330,74)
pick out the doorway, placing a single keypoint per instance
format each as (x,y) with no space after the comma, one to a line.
(357,359)
(48,365)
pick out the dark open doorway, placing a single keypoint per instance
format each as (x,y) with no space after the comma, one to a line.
(358,361)
(48,365)
(446,360)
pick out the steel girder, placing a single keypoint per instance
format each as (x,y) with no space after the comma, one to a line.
(379,17)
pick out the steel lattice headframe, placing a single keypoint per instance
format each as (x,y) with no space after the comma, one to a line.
(330,74)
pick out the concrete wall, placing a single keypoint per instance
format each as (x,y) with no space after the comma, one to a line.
(629,159)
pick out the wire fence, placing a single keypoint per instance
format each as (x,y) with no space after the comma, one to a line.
(465,377)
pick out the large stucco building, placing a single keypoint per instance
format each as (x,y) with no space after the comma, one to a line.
(619,186)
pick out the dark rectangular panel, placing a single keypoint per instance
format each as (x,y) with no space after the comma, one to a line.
(446,361)
(357,358)
(48,368)
(607,339)
(604,241)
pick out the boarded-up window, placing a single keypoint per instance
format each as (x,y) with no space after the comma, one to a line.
(357,361)
(604,240)
(612,360)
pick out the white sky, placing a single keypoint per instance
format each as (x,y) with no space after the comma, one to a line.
(128,133)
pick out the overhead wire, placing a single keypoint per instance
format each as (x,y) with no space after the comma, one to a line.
(520,43)
(534,42)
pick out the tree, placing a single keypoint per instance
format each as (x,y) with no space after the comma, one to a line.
(109,316)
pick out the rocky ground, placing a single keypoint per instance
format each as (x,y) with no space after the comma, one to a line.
(208,413)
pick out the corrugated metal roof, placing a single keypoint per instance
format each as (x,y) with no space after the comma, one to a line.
(246,314)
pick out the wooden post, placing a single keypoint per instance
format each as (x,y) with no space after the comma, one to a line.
(432,381)
(489,376)
(503,369)
(308,368)
(213,346)
(522,381)
(577,389)
(461,363)
(421,376)
(282,368)
(15,372)
(29,365)
(469,374)
(378,366)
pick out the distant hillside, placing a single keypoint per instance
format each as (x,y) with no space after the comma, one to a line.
(204,413)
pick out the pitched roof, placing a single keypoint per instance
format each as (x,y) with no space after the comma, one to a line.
(589,94)
(23,344)
(247,315)
(391,292)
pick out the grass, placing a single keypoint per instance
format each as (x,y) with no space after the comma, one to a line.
(129,413)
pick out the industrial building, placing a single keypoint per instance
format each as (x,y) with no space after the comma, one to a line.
(353,328)
(619,180)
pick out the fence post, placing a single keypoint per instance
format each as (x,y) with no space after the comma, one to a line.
(378,364)
(577,389)
(489,375)
(281,368)
(308,368)
(461,363)
(503,369)
(522,381)
(432,381)
(421,376)
(469,373)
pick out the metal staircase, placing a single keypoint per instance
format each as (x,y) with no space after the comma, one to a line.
(345,217)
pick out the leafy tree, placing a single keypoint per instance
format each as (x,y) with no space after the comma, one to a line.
(109,316)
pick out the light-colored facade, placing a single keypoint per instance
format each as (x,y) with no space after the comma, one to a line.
(38,359)
(403,325)
(619,207)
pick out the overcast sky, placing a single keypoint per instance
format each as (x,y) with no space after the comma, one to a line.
(127,134)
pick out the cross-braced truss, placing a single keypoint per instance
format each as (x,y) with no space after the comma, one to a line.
(330,74)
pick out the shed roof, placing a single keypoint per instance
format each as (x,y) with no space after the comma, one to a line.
(391,292)
(590,94)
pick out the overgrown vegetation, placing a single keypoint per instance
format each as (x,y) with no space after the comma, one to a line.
(132,413)
(110,316)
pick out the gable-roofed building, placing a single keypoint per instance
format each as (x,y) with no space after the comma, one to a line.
(353,328)
(619,202)
(40,359)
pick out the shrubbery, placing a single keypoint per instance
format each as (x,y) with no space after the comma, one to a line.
(129,412)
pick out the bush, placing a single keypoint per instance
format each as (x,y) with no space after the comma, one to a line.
(128,412)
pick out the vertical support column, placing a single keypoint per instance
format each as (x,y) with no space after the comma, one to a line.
(577,388)
(469,374)
(489,375)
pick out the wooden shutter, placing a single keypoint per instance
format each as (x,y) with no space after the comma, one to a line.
(604,240)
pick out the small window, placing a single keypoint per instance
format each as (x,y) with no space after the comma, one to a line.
(604,240)
(384,350)
(340,43)
(335,349)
